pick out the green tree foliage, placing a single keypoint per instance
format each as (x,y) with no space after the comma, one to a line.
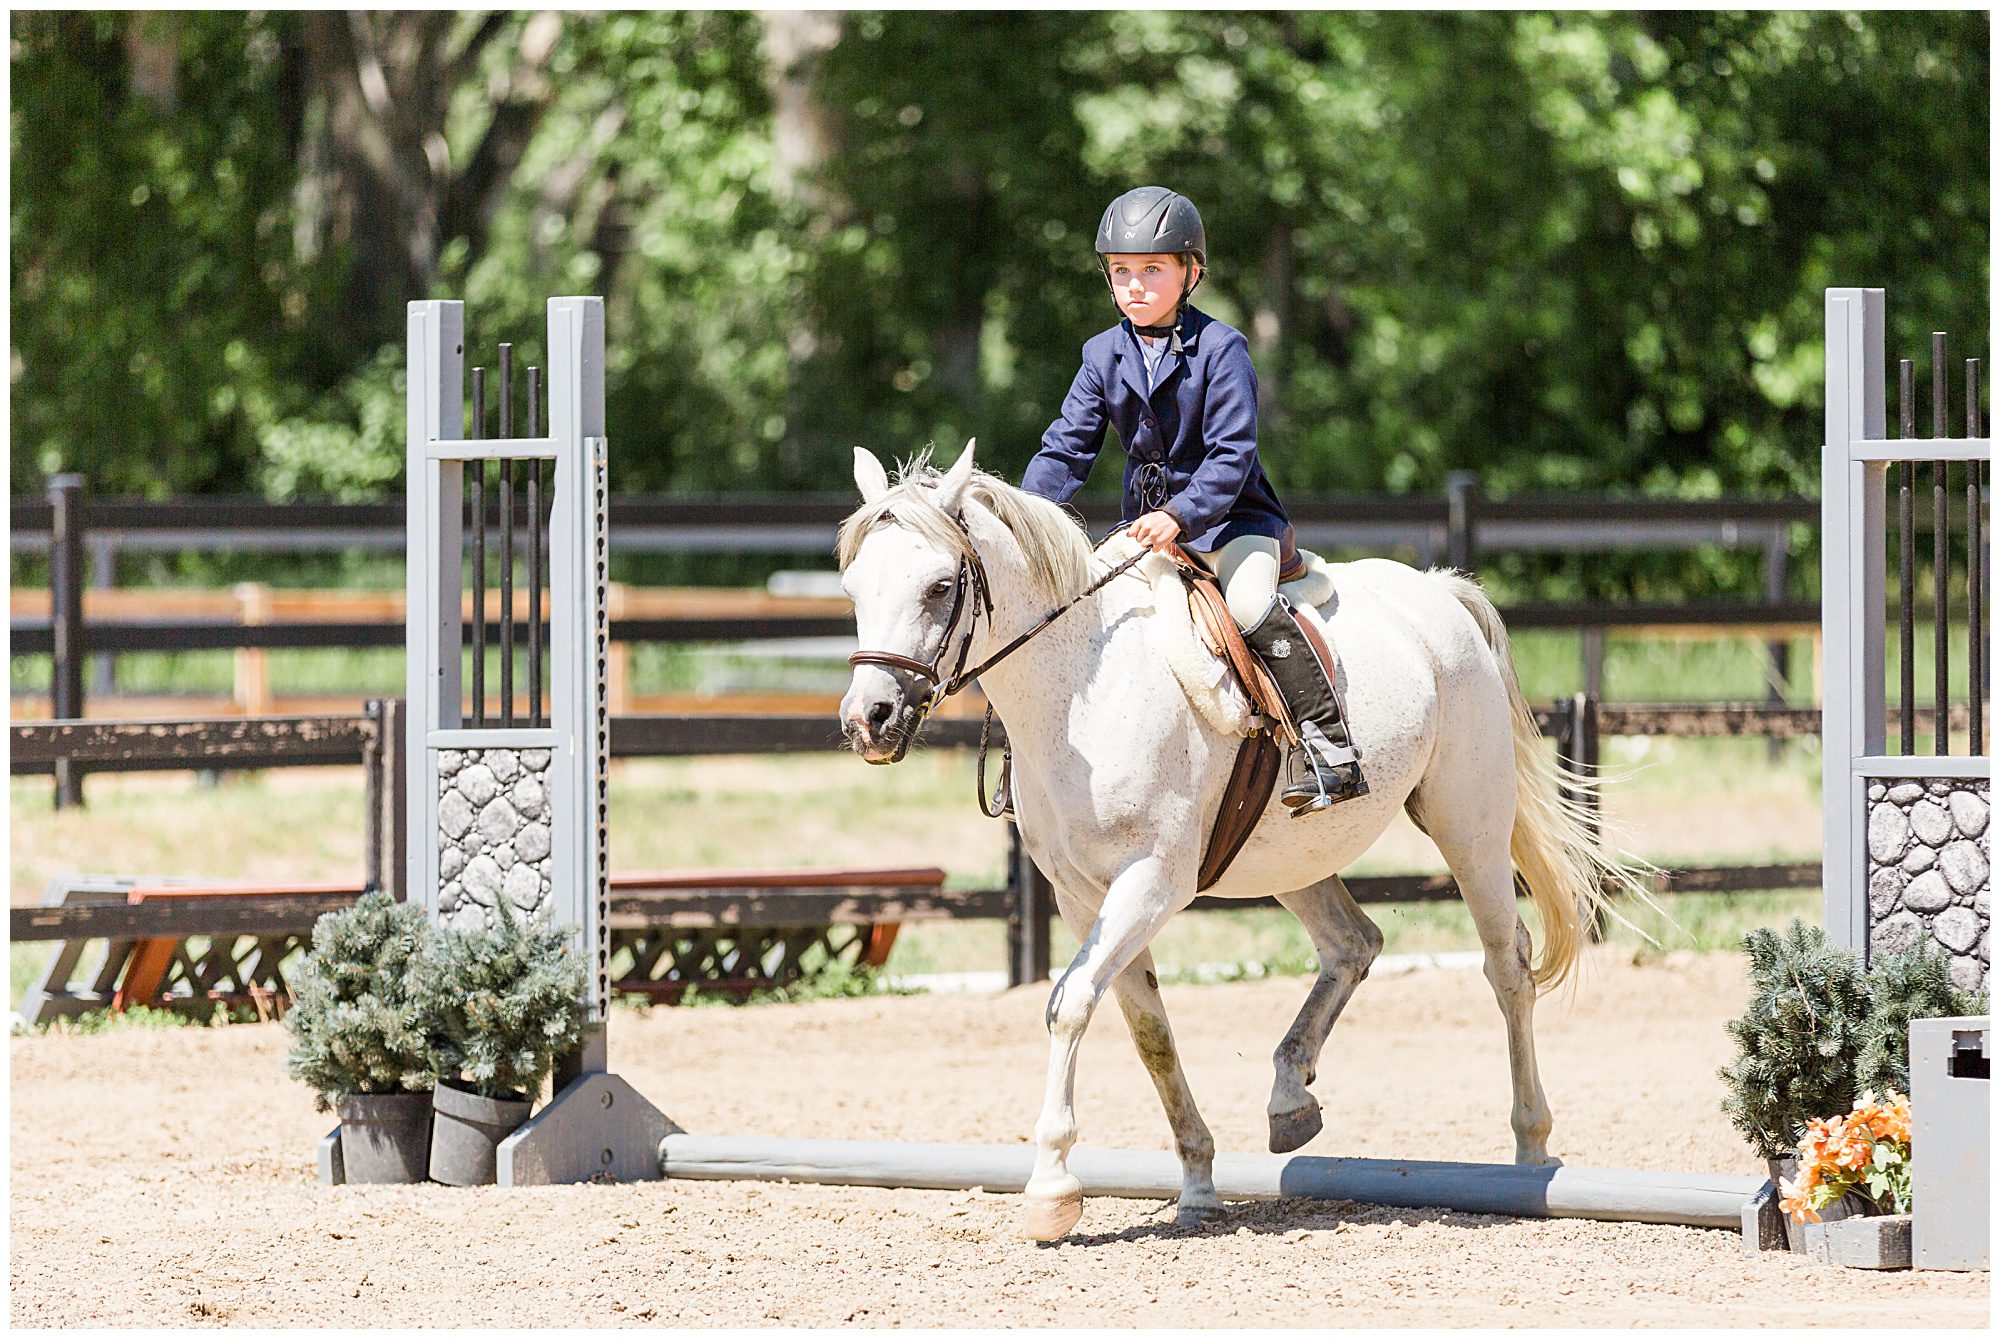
(158,309)
(1572,251)
(358,1024)
(503,1003)
(1915,983)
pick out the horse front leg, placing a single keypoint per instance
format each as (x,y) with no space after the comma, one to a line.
(1136,905)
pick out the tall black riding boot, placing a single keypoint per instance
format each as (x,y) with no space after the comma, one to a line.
(1326,768)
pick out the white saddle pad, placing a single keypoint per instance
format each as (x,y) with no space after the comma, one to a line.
(1204,676)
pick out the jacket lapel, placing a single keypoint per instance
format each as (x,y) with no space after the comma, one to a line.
(1132,364)
(1132,359)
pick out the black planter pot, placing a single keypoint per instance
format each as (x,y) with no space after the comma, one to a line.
(1850,1205)
(385,1138)
(466,1129)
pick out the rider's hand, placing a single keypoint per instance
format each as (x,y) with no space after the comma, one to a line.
(1156,528)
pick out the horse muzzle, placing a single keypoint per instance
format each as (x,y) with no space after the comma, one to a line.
(881,727)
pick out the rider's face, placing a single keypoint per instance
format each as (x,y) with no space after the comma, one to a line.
(1148,287)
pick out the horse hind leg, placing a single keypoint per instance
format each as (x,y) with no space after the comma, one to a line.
(1138,991)
(1347,943)
(1473,838)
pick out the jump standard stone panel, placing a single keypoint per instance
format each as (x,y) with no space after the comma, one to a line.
(493,835)
(1928,874)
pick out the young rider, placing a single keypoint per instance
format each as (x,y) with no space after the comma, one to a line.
(1179,387)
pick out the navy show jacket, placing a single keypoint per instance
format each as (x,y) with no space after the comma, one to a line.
(1192,442)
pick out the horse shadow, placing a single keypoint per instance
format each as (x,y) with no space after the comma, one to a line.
(1282,1218)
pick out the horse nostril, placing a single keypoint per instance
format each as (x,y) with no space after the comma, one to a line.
(879,713)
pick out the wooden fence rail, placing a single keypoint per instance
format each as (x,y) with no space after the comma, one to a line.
(79,532)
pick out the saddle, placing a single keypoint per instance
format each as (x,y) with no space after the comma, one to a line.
(1258,757)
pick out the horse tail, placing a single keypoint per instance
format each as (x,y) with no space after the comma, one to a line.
(1567,870)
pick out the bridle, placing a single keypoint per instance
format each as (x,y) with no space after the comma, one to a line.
(971,580)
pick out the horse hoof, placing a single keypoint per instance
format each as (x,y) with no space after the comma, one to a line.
(1295,1129)
(1199,1215)
(1051,1220)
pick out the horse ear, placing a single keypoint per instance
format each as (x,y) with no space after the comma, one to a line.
(951,490)
(869,474)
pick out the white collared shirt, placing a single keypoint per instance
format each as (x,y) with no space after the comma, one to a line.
(1154,350)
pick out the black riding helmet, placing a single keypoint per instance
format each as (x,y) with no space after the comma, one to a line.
(1153,220)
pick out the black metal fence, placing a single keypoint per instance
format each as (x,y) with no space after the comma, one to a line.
(1460,527)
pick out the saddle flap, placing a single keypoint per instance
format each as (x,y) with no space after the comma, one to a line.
(1243,803)
(1218,630)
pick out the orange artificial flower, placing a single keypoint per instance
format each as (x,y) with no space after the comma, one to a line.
(1795,1202)
(1836,1153)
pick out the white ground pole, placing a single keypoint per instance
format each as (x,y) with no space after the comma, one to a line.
(597,1125)
(1533,1192)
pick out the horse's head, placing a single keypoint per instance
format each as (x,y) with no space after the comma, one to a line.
(908,564)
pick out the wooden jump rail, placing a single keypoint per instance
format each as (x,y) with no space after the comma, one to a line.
(189,945)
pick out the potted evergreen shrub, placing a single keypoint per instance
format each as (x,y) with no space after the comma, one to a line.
(502,1004)
(1820,1032)
(1796,1047)
(1915,983)
(359,1037)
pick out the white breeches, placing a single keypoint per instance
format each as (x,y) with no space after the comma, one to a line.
(1247,566)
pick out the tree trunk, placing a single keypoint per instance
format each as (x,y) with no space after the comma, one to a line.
(152,61)
(802,131)
(1271,323)
(955,338)
(376,177)
(804,134)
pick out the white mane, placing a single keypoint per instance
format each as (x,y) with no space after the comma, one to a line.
(1057,550)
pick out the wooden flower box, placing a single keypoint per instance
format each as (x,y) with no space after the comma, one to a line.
(1877,1241)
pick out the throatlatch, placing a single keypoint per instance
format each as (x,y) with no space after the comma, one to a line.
(1325,767)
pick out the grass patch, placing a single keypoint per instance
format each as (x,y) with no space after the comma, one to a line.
(141,1019)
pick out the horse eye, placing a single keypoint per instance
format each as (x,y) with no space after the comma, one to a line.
(939,589)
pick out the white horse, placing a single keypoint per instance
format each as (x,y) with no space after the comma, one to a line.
(1121,752)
